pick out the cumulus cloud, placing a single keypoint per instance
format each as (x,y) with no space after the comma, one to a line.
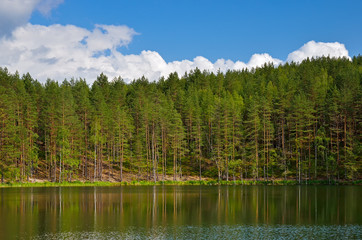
(14,13)
(314,49)
(45,6)
(59,52)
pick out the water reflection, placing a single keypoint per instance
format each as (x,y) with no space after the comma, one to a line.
(45,211)
(219,232)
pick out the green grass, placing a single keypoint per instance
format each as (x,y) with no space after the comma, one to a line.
(194,182)
(57,184)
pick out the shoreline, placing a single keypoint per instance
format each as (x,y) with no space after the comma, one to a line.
(180,183)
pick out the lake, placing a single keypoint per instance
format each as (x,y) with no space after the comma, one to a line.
(182,212)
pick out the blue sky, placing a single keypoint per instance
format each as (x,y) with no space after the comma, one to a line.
(219,29)
(184,30)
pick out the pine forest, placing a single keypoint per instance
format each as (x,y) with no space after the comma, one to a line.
(295,121)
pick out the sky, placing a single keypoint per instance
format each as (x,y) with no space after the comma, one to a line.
(60,39)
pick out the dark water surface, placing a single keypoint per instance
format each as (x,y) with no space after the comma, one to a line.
(182,212)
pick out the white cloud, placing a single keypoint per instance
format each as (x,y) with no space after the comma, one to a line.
(45,6)
(314,49)
(258,60)
(14,13)
(59,52)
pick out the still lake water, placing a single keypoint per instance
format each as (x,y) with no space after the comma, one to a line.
(182,212)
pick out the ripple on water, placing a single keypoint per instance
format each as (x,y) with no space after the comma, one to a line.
(220,232)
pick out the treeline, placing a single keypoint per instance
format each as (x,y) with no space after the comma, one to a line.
(300,121)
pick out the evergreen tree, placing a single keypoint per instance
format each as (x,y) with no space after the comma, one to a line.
(295,120)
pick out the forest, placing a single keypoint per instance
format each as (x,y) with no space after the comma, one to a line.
(294,121)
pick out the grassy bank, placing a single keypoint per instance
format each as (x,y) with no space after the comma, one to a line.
(206,183)
(58,184)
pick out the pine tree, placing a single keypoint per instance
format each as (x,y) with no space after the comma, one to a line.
(252,131)
(81,93)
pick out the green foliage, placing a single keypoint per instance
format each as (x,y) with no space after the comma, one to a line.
(297,121)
